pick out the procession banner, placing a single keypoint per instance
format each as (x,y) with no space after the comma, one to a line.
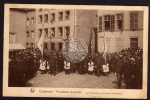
(40,43)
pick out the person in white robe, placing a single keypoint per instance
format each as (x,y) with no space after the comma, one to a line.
(42,65)
(105,69)
(67,67)
(91,67)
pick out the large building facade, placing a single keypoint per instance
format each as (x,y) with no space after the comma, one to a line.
(30,29)
(121,30)
(18,26)
(58,25)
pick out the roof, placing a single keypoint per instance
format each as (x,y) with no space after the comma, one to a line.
(23,9)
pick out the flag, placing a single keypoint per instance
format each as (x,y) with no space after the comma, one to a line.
(105,48)
(40,43)
(90,44)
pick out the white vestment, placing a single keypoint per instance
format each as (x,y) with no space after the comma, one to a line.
(66,65)
(42,65)
(91,66)
(105,68)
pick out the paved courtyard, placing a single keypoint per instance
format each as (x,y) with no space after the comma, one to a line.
(61,80)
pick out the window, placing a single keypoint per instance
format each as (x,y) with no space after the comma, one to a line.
(32,21)
(60,31)
(27,45)
(46,32)
(46,18)
(40,10)
(109,21)
(45,46)
(27,33)
(67,31)
(119,21)
(32,34)
(27,22)
(133,42)
(52,46)
(52,32)
(52,17)
(100,23)
(60,46)
(67,13)
(40,32)
(133,20)
(31,46)
(40,18)
(60,16)
(46,9)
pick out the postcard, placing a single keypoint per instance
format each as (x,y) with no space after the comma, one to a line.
(75,51)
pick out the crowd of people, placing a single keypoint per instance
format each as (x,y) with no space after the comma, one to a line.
(126,65)
(23,64)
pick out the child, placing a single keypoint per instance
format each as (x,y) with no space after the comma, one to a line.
(91,67)
(42,66)
(105,69)
(67,67)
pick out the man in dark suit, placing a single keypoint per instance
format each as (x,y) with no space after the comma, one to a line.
(81,67)
(139,64)
(127,72)
(98,65)
(119,70)
(52,64)
(133,66)
(60,63)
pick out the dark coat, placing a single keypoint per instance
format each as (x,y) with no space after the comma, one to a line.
(99,62)
(127,69)
(53,62)
(119,66)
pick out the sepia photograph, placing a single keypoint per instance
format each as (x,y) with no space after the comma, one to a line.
(75,51)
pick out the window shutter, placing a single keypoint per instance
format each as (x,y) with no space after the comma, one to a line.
(122,22)
(112,22)
(100,23)
(103,24)
(131,21)
(135,20)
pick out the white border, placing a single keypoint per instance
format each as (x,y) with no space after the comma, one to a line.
(102,93)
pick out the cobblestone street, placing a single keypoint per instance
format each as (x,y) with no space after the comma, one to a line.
(61,80)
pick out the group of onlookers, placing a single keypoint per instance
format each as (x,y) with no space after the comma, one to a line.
(126,65)
(23,65)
